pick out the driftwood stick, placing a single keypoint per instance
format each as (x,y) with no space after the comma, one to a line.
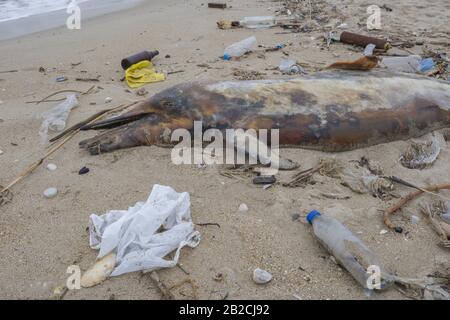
(390,211)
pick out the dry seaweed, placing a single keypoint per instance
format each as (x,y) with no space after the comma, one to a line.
(420,155)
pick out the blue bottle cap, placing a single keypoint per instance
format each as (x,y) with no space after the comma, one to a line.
(310,217)
(226,57)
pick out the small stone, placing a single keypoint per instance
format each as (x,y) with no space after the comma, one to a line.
(52,167)
(261,276)
(398,229)
(108,99)
(333,259)
(83,170)
(142,92)
(384,231)
(295,216)
(167,56)
(243,207)
(415,219)
(50,193)
(1,152)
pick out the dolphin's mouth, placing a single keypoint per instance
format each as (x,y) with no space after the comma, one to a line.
(114,122)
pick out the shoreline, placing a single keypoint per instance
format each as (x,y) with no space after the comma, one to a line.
(16,28)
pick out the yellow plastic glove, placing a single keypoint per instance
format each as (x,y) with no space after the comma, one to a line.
(142,73)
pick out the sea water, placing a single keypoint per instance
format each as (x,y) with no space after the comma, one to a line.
(15,9)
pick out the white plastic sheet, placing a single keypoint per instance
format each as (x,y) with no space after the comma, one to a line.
(134,234)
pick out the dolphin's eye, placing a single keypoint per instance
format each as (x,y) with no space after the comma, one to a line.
(167,103)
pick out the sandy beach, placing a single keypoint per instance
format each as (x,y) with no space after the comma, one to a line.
(40,238)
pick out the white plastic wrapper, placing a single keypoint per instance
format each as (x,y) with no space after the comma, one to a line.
(135,234)
(55,119)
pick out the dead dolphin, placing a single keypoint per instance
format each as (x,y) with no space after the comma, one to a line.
(329,111)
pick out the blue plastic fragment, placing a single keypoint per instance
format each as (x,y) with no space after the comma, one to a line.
(426,65)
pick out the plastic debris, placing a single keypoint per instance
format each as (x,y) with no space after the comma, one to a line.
(426,65)
(108,99)
(240,48)
(289,66)
(349,251)
(134,235)
(410,64)
(142,73)
(52,167)
(61,79)
(56,118)
(258,22)
(368,51)
(50,193)
(261,276)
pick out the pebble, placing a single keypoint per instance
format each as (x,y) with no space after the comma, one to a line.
(1,152)
(243,207)
(52,167)
(83,170)
(384,231)
(108,99)
(261,276)
(415,219)
(50,193)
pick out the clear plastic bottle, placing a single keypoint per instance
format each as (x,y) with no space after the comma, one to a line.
(239,48)
(258,22)
(349,251)
(410,64)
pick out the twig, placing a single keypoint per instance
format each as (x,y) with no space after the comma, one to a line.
(9,71)
(173,72)
(408,184)
(62,91)
(388,212)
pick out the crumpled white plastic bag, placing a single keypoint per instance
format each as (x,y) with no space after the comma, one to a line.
(133,234)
